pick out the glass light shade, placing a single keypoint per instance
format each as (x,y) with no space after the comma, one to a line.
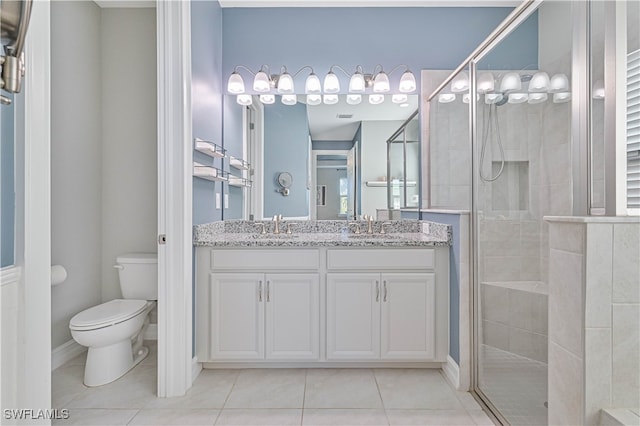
(285,83)
(314,100)
(244,99)
(445,98)
(354,99)
(518,98)
(537,98)
(492,98)
(399,98)
(510,82)
(312,85)
(485,82)
(235,85)
(466,97)
(598,90)
(381,83)
(460,82)
(261,82)
(561,97)
(357,83)
(331,83)
(539,82)
(289,99)
(330,99)
(407,82)
(559,83)
(267,99)
(376,99)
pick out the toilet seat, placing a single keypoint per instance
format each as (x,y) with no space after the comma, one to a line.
(107,314)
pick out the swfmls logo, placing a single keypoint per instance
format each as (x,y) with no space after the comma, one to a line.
(33,414)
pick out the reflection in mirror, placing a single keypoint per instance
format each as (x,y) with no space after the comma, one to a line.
(338,156)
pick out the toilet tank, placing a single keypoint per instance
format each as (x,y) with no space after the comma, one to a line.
(138,273)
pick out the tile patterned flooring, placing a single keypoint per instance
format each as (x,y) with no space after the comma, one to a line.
(268,397)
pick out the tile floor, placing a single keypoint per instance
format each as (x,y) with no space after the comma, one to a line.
(268,397)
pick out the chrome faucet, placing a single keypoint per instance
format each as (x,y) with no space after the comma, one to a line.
(369,220)
(276,227)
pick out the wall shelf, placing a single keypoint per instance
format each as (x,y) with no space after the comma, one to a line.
(238,163)
(239,181)
(209,148)
(209,173)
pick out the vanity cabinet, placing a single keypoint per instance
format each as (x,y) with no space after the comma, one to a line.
(264,316)
(380,316)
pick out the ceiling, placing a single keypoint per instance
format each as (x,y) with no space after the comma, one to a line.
(369,3)
(324,123)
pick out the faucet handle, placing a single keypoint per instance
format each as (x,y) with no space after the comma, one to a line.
(382,231)
(357,226)
(264,227)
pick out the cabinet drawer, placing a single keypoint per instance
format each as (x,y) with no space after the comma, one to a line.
(381,259)
(264,260)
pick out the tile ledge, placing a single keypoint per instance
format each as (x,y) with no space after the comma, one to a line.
(593,219)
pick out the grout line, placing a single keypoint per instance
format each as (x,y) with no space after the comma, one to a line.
(304,396)
(384,408)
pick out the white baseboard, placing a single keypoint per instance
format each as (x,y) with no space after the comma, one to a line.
(65,352)
(196,368)
(151,333)
(452,372)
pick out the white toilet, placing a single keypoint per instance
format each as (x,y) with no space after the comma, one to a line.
(113,331)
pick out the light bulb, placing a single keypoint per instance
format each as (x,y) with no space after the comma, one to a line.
(285,83)
(492,98)
(381,83)
(445,98)
(537,98)
(289,99)
(376,99)
(518,98)
(357,83)
(235,85)
(399,98)
(354,99)
(407,82)
(330,99)
(244,99)
(314,99)
(485,82)
(331,83)
(261,82)
(312,85)
(561,97)
(539,82)
(460,83)
(267,99)
(510,82)
(559,83)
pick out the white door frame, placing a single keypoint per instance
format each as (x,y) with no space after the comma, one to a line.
(175,159)
(313,209)
(33,215)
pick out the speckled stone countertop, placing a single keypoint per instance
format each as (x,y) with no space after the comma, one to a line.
(322,233)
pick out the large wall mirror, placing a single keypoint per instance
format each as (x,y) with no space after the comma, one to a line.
(336,160)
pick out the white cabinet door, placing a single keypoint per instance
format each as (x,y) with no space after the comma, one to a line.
(293,316)
(408,316)
(353,316)
(237,316)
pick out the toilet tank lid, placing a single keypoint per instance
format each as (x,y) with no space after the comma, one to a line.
(137,258)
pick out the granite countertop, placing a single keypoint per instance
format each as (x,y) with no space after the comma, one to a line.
(322,233)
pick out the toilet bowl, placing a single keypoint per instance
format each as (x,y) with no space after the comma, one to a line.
(113,331)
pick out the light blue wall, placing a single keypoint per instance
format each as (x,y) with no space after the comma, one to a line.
(206,100)
(423,38)
(286,149)
(7,181)
(232,141)
(331,145)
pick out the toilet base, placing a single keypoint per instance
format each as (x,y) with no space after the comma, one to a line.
(109,363)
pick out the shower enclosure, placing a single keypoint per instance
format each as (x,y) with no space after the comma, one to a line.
(500,147)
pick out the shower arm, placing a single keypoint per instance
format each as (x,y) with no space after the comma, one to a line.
(12,63)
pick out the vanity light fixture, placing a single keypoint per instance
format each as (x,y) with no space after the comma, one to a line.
(539,82)
(518,98)
(399,98)
(407,82)
(285,83)
(331,83)
(537,98)
(510,82)
(354,99)
(561,97)
(312,85)
(466,98)
(235,85)
(357,83)
(559,83)
(289,99)
(261,82)
(493,98)
(381,83)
